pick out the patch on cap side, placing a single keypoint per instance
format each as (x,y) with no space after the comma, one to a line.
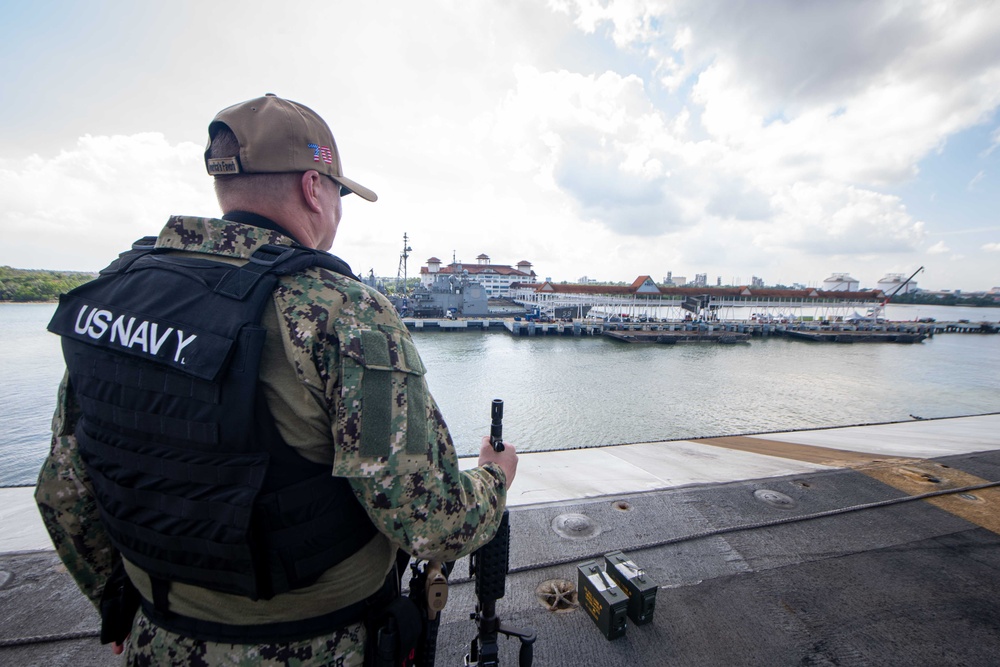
(221,166)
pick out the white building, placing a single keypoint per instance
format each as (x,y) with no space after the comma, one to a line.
(676,281)
(841,282)
(892,282)
(495,278)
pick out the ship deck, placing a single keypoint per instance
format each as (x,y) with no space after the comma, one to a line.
(863,545)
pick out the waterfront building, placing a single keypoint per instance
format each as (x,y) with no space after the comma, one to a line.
(496,279)
(892,282)
(840,282)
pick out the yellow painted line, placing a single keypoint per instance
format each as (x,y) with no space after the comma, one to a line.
(909,475)
(838,458)
(981,507)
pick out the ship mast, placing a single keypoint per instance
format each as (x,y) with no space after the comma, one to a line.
(401,272)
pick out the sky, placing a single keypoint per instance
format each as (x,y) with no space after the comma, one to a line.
(781,139)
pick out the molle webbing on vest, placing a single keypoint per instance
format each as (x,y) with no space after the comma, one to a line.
(88,388)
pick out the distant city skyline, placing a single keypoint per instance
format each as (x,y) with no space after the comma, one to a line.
(699,278)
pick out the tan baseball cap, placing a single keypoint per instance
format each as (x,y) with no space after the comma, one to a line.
(277,136)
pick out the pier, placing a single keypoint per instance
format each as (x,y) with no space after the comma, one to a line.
(514,326)
(674,337)
(445,324)
(966,327)
(684,331)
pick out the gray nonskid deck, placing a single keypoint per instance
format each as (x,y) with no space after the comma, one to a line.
(905,584)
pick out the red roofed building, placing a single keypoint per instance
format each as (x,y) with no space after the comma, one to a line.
(727,302)
(496,279)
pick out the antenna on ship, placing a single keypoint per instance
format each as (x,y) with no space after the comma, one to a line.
(401,273)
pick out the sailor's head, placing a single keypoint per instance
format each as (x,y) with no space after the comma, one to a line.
(271,135)
(278,159)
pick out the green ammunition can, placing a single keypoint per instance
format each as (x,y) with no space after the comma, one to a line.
(602,599)
(641,591)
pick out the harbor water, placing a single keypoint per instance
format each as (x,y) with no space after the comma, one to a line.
(564,392)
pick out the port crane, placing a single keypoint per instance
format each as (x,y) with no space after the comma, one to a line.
(877,311)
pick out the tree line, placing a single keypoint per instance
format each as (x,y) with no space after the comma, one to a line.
(22,285)
(924,298)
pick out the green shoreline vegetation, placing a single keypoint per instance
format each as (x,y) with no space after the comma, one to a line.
(38,285)
(935,299)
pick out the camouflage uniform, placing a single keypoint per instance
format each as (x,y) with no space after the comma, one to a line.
(340,374)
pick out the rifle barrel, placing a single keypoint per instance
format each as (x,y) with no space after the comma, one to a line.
(496,425)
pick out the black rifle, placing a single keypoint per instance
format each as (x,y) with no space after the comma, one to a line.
(489,566)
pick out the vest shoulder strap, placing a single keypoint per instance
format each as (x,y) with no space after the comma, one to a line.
(240,281)
(279,261)
(139,249)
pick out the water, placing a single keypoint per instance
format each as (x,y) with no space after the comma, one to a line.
(583,392)
(30,370)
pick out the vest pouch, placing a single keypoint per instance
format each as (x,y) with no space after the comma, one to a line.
(310,524)
(180,515)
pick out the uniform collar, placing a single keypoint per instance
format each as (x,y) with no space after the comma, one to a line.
(257,220)
(219,237)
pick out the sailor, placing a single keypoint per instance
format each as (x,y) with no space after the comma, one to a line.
(244,432)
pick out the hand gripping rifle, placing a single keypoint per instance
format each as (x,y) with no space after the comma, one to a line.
(489,566)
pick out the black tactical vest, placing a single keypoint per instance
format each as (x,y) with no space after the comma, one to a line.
(193,481)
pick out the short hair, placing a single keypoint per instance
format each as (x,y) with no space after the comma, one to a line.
(241,191)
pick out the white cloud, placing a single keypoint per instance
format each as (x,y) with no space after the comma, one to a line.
(994,142)
(938,248)
(826,218)
(600,142)
(975,180)
(76,210)
(846,91)
(992,247)
(625,165)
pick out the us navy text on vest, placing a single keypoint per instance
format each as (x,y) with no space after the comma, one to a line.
(136,334)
